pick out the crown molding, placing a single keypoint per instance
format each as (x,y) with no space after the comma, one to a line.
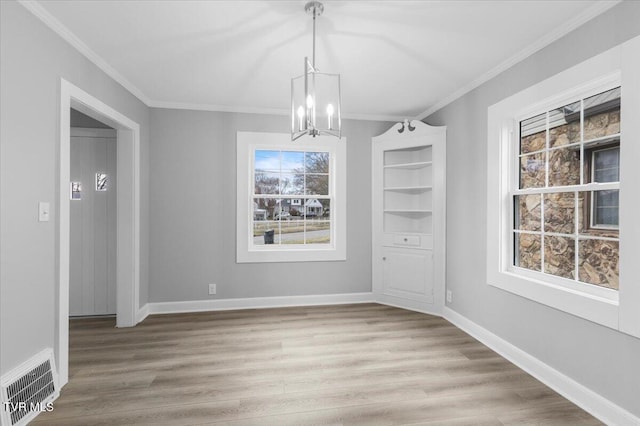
(258,110)
(218,108)
(590,13)
(59,28)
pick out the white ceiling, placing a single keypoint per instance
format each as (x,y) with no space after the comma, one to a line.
(397,59)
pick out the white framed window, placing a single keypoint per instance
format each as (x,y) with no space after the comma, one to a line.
(291,198)
(558,195)
(563,191)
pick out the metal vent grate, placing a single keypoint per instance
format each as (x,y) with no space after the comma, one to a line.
(29,390)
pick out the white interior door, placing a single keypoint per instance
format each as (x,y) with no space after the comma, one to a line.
(92,280)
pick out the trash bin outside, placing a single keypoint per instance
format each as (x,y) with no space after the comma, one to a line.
(268,236)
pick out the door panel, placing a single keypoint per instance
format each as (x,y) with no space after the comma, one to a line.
(93,226)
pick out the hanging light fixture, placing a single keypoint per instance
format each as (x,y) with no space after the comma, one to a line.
(315,96)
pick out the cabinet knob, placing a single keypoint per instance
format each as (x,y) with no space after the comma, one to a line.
(384,258)
(405,240)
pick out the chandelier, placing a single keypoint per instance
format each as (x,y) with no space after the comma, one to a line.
(315,96)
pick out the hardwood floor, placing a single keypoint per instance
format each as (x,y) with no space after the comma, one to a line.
(362,364)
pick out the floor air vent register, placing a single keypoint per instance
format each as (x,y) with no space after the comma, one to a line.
(29,390)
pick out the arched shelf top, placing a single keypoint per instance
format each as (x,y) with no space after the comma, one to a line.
(410,129)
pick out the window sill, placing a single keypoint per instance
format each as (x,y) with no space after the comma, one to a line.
(598,309)
(293,254)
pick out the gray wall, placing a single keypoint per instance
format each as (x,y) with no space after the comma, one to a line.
(602,359)
(193,212)
(32,61)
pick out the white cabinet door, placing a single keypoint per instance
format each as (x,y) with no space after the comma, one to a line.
(408,273)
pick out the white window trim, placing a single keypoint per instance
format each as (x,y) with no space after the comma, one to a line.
(619,65)
(247,143)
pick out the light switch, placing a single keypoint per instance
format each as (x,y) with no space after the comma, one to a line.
(43,212)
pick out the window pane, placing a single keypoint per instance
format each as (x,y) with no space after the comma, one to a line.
(317,162)
(263,208)
(606,207)
(559,213)
(317,184)
(528,212)
(559,256)
(532,170)
(267,183)
(606,165)
(564,166)
(602,114)
(266,232)
(606,216)
(313,208)
(292,162)
(326,207)
(598,213)
(533,133)
(292,231)
(318,232)
(564,125)
(528,253)
(267,161)
(292,184)
(598,262)
(606,175)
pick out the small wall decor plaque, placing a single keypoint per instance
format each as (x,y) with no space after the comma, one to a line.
(76,190)
(101,181)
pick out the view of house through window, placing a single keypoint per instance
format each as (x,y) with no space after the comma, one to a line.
(567,201)
(292,197)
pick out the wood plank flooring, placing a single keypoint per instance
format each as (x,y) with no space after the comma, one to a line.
(364,364)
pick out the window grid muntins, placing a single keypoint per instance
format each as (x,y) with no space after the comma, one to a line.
(306,187)
(567,246)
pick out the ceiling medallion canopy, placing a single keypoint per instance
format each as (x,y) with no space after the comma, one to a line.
(315,96)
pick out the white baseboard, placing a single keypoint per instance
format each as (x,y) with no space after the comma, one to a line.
(142,313)
(595,404)
(252,303)
(409,305)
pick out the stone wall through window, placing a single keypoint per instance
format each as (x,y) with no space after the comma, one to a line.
(555,230)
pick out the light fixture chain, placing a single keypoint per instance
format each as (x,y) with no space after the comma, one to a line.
(314,38)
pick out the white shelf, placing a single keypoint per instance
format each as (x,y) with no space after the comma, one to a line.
(417,165)
(409,188)
(407,211)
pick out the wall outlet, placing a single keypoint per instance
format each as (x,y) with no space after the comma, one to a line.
(449,296)
(212,289)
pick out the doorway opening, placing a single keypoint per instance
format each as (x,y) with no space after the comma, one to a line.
(127,274)
(93,237)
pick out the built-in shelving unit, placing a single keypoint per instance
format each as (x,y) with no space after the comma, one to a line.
(407,187)
(408,164)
